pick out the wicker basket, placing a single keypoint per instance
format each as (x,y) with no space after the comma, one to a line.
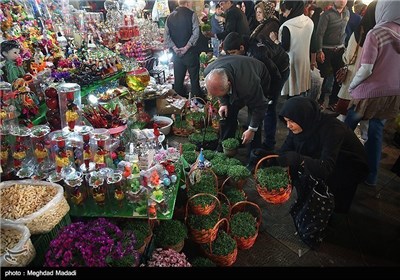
(204,235)
(195,173)
(244,243)
(44,219)
(226,260)
(21,253)
(200,209)
(224,184)
(274,196)
(224,200)
(182,131)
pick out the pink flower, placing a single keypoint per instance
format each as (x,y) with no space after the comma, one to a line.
(168,258)
(18,61)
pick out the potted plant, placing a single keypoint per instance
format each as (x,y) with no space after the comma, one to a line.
(244,229)
(202,262)
(207,140)
(188,147)
(181,127)
(223,250)
(201,227)
(190,156)
(168,258)
(170,234)
(239,175)
(208,154)
(273,184)
(234,195)
(196,119)
(230,146)
(97,243)
(204,201)
(220,169)
(143,233)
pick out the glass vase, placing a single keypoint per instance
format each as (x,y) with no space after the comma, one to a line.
(69,95)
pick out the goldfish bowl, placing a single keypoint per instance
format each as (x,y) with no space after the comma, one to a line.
(138,79)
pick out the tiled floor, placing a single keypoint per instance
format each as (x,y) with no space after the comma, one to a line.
(369,235)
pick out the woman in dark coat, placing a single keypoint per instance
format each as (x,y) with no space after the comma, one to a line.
(325,147)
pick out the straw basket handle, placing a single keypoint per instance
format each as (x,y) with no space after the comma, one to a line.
(220,194)
(188,184)
(216,227)
(198,98)
(224,183)
(202,194)
(236,205)
(260,162)
(225,198)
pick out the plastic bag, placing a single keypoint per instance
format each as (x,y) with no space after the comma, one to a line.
(22,252)
(42,220)
(316,84)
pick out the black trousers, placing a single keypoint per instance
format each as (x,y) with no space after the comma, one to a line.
(333,61)
(190,61)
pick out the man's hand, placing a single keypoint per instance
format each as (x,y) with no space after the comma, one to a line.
(321,57)
(223,111)
(247,136)
(184,50)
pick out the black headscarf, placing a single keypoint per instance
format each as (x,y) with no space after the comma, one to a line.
(296,7)
(367,23)
(303,111)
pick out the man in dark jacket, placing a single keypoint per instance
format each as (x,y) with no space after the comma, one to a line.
(181,36)
(234,44)
(239,81)
(235,21)
(325,148)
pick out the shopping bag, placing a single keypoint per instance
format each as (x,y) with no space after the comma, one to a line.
(312,210)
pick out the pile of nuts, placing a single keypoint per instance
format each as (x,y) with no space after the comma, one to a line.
(9,238)
(19,201)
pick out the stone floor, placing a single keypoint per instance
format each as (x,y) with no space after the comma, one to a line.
(369,235)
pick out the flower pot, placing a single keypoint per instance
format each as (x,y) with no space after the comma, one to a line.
(230,153)
(177,247)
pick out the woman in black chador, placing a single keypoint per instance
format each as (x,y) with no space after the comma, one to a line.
(325,147)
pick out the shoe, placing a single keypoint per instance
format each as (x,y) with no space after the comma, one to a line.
(332,108)
(369,184)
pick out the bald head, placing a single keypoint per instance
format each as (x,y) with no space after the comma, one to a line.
(217,82)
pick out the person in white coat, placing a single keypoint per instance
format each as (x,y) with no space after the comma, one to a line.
(295,37)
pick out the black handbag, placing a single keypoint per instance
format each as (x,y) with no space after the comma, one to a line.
(312,210)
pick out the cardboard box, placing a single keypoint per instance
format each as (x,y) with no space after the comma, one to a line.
(170,103)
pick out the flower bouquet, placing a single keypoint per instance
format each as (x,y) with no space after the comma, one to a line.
(168,258)
(98,243)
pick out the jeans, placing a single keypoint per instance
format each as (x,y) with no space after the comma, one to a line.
(215,45)
(270,118)
(373,145)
